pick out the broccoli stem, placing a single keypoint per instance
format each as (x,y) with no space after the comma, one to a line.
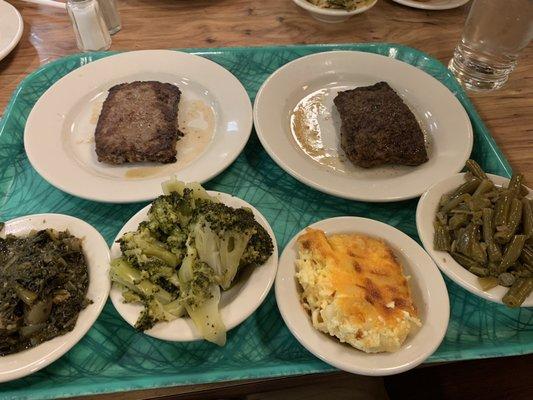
(153,249)
(123,273)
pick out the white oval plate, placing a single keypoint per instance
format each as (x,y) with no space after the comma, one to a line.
(425,215)
(433,4)
(214,112)
(11,28)
(26,362)
(427,288)
(440,114)
(236,304)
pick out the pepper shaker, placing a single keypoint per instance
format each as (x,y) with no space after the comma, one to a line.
(111,15)
(89,25)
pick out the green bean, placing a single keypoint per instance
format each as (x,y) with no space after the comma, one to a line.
(479,252)
(515,216)
(478,203)
(524,191)
(485,186)
(467,187)
(529,267)
(457,221)
(444,199)
(494,253)
(493,268)
(515,185)
(512,252)
(475,169)
(477,218)
(502,208)
(493,196)
(441,218)
(442,239)
(488,227)
(487,282)
(527,255)
(479,271)
(469,176)
(466,262)
(519,292)
(465,240)
(454,202)
(522,270)
(527,219)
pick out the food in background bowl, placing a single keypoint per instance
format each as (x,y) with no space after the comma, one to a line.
(354,289)
(489,231)
(348,5)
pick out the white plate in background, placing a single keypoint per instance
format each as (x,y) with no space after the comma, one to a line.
(11,28)
(433,4)
(425,215)
(307,86)
(26,362)
(236,303)
(427,288)
(214,112)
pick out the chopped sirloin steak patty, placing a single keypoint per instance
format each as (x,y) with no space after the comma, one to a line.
(378,128)
(138,123)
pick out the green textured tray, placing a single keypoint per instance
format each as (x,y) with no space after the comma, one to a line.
(114,357)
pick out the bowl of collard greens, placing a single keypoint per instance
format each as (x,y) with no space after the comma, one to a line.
(53,285)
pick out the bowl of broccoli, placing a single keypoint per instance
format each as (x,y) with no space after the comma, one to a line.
(192,264)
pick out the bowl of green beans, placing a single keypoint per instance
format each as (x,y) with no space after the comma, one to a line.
(478,228)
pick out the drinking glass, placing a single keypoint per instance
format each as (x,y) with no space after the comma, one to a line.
(494,34)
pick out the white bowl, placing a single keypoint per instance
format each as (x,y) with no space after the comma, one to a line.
(236,304)
(427,288)
(425,215)
(26,362)
(332,15)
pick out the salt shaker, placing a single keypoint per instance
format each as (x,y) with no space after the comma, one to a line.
(111,15)
(89,25)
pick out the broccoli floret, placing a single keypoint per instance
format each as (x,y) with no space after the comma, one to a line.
(259,249)
(220,235)
(131,278)
(154,312)
(144,251)
(170,212)
(159,304)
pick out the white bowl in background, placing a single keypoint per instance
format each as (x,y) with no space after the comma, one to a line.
(332,15)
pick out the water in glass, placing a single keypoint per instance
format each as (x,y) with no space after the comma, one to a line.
(495,33)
